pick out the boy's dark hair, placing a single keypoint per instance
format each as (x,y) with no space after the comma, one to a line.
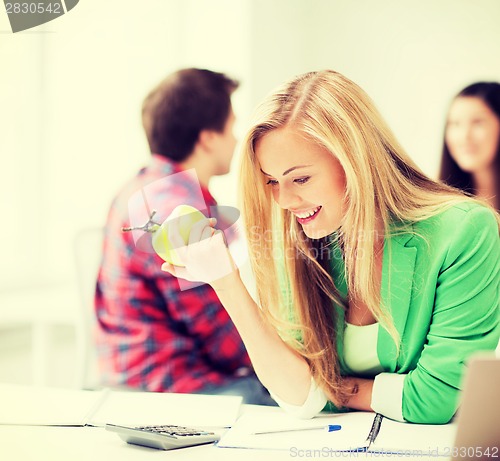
(181,106)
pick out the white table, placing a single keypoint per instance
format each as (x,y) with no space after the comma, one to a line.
(95,444)
(31,443)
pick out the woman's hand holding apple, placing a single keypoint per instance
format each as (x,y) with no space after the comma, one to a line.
(196,251)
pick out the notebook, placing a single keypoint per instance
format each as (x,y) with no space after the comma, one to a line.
(477,425)
(393,437)
(45,406)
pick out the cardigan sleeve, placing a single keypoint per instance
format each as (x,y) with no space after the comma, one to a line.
(465,319)
(387,395)
(314,403)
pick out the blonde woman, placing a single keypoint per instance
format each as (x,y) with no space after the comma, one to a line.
(375,283)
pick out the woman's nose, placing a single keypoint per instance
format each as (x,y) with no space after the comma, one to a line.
(287,198)
(465,133)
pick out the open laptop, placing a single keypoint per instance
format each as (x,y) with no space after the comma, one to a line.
(478,419)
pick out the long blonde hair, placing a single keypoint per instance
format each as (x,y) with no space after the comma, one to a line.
(382,182)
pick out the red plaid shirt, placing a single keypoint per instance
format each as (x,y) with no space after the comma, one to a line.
(153,333)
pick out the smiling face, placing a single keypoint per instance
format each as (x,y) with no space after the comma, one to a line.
(472,134)
(305,179)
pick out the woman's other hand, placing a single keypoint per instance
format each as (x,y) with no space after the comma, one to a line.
(206,257)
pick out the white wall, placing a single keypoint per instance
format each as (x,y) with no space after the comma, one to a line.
(70,92)
(70,114)
(411,57)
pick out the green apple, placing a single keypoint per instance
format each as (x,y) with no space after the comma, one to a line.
(186,216)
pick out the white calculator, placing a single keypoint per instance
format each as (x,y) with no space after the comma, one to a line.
(168,437)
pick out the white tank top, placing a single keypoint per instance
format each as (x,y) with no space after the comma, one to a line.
(360,349)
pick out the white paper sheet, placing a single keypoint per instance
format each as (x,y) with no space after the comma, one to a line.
(29,405)
(421,439)
(151,408)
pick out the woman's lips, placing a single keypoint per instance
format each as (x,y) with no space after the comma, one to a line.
(309,218)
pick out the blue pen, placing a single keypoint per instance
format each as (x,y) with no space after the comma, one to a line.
(327,428)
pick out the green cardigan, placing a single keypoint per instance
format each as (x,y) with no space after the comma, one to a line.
(441,283)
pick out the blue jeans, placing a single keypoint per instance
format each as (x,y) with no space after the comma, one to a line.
(248,387)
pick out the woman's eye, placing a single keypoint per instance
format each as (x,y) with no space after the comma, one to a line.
(302,180)
(272,182)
